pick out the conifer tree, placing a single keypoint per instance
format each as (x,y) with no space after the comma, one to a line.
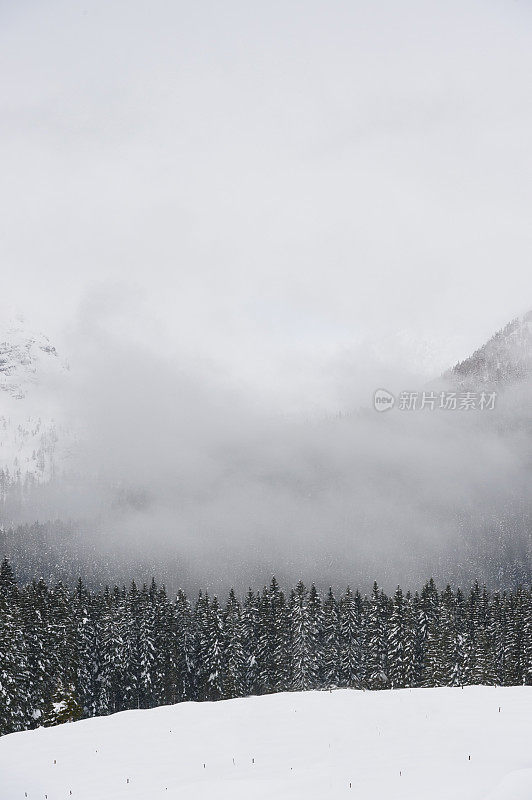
(376,641)
(250,622)
(398,635)
(64,706)
(279,637)
(303,667)
(185,643)
(350,641)
(430,630)
(233,648)
(86,649)
(214,666)
(331,661)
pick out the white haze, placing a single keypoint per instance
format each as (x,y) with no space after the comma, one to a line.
(237,220)
(179,464)
(282,180)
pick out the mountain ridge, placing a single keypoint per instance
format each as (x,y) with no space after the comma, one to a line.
(506,358)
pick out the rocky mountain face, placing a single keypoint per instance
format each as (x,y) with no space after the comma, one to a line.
(25,358)
(505,359)
(29,363)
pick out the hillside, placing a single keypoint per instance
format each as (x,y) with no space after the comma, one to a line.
(465,744)
(506,358)
(27,358)
(31,378)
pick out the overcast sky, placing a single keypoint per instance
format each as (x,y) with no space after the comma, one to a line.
(270,186)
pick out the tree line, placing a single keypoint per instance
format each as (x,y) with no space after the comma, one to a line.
(67,654)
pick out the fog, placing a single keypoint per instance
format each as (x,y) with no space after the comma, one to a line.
(277,179)
(177,465)
(236,221)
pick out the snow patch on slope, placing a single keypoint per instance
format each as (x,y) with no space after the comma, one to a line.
(27,358)
(31,376)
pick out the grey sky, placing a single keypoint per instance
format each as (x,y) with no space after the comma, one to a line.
(269,186)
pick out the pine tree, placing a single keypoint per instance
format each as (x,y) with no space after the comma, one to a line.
(8,587)
(214,665)
(129,627)
(147,649)
(15,692)
(430,631)
(331,660)
(376,641)
(315,611)
(185,642)
(398,634)
(64,706)
(250,623)
(201,617)
(165,663)
(279,636)
(350,641)
(447,670)
(263,651)
(34,613)
(304,669)
(483,670)
(86,649)
(235,678)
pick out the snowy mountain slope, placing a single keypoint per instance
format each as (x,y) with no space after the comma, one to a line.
(505,358)
(31,373)
(26,358)
(466,744)
(27,446)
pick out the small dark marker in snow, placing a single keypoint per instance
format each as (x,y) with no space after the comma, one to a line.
(469,758)
(499,709)
(55,762)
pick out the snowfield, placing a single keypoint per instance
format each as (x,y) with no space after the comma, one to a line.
(459,744)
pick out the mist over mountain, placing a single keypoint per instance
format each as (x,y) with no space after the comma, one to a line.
(177,471)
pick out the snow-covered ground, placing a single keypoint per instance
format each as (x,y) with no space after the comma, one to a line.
(452,744)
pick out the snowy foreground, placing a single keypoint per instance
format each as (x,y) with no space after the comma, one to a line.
(412,743)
